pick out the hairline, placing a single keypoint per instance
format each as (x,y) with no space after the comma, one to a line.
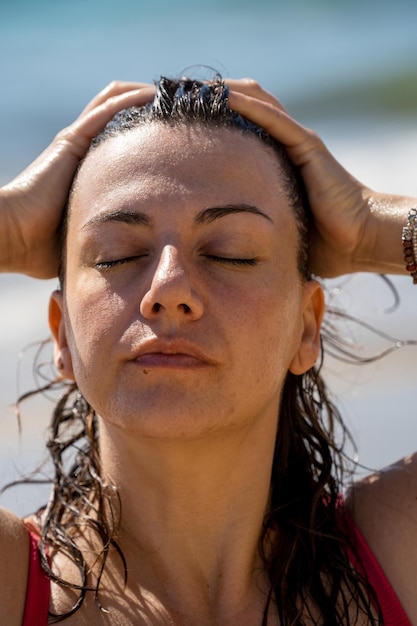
(175,124)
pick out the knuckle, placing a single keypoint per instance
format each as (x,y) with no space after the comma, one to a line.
(316,140)
(63,134)
(113,87)
(115,84)
(313,139)
(69,139)
(252,83)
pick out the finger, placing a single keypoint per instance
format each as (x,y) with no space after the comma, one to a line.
(276,122)
(252,88)
(79,135)
(115,88)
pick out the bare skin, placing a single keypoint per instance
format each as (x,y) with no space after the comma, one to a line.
(191,305)
(356,229)
(31,204)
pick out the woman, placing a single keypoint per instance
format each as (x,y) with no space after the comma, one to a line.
(188,321)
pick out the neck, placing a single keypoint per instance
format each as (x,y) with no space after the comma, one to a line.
(192,511)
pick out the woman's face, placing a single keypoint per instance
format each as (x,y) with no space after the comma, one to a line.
(183,308)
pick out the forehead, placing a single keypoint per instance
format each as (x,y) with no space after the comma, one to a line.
(158,163)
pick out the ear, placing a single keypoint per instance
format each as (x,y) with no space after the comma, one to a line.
(62,355)
(312,316)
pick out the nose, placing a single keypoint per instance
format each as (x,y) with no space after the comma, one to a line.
(170,293)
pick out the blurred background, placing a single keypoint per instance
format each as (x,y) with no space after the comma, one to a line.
(347,68)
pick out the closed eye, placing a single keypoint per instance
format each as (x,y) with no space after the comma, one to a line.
(230,261)
(107,265)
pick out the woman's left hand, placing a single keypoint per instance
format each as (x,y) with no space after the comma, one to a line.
(354,228)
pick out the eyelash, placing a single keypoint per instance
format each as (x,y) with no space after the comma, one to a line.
(230,261)
(108,265)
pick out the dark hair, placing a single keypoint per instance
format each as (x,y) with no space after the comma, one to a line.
(186,102)
(304,540)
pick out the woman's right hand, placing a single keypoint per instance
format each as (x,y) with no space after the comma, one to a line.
(355,229)
(31,205)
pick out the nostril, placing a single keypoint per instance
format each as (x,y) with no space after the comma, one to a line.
(157,307)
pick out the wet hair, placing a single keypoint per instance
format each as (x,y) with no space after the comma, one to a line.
(304,542)
(188,102)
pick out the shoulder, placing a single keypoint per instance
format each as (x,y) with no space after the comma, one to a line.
(384,507)
(14,559)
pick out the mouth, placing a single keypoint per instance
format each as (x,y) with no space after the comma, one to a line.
(172,354)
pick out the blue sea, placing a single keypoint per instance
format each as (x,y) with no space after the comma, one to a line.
(55,55)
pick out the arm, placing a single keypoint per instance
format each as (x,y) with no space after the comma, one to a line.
(31,205)
(355,228)
(14,561)
(385,509)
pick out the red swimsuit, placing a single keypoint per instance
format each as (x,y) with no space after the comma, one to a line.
(38,587)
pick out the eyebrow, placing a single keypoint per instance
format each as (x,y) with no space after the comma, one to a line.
(119,215)
(206,216)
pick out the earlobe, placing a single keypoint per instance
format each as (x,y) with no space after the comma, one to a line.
(312,317)
(62,355)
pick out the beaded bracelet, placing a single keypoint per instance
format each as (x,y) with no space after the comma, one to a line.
(409,241)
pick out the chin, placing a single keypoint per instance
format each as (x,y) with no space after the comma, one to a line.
(172,416)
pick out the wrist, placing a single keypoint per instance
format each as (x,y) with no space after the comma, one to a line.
(6,260)
(381,248)
(11,244)
(409,241)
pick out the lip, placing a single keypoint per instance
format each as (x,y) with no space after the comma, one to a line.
(173,353)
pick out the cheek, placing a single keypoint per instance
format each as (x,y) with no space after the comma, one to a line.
(93,320)
(270,326)
(266,333)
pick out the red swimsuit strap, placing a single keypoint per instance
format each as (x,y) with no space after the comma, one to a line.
(38,587)
(392,611)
